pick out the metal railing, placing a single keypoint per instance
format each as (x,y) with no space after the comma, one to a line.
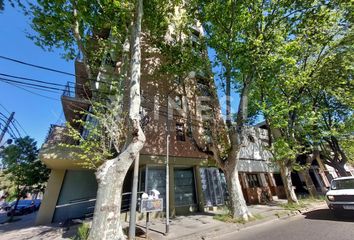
(69,90)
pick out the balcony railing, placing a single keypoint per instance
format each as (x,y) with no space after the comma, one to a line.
(58,134)
(69,90)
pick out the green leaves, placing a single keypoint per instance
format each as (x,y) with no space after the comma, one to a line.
(22,166)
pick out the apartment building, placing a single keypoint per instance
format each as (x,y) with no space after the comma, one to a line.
(172,117)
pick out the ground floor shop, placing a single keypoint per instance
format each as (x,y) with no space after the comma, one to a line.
(195,185)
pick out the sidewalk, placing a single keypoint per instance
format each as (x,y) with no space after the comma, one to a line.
(203,226)
(196,226)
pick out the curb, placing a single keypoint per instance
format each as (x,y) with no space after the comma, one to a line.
(219,231)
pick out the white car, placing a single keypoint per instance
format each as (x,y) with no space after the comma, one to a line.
(341,194)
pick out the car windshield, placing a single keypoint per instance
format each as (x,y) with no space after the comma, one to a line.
(342,184)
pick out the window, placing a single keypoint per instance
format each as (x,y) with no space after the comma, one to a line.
(253,180)
(180,132)
(202,87)
(178,101)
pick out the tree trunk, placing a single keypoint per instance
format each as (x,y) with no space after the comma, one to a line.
(19,194)
(238,207)
(237,204)
(288,185)
(308,180)
(309,183)
(106,222)
(339,166)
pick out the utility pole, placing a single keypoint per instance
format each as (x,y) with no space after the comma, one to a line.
(9,120)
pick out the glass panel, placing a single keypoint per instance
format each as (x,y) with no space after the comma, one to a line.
(212,186)
(343,184)
(156,179)
(184,187)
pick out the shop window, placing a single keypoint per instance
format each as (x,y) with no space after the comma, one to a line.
(180,132)
(213,186)
(184,187)
(253,180)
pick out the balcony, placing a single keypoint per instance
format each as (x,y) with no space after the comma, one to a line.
(73,105)
(57,156)
(58,134)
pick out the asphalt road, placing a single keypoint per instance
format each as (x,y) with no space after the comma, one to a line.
(318,224)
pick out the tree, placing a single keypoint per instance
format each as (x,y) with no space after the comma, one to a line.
(86,26)
(23,167)
(291,84)
(245,36)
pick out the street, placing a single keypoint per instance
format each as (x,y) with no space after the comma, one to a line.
(316,224)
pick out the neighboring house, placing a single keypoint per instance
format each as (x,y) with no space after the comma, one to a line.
(260,179)
(195,183)
(320,173)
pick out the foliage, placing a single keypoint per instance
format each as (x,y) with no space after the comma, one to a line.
(303,203)
(229,219)
(100,134)
(95,21)
(6,186)
(82,232)
(298,78)
(23,167)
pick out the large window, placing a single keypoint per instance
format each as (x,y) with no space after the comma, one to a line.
(212,186)
(184,187)
(180,132)
(154,178)
(253,180)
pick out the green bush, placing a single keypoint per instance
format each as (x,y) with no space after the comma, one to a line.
(82,232)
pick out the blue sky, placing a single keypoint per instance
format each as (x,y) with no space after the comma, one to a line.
(33,112)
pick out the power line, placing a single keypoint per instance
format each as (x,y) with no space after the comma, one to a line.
(30,84)
(13,133)
(54,70)
(33,80)
(37,66)
(71,88)
(15,120)
(21,126)
(5,108)
(55,99)
(18,132)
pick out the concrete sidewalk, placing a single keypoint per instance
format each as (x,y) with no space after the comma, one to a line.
(204,226)
(191,227)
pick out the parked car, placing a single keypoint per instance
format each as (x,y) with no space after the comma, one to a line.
(5,206)
(23,207)
(37,203)
(340,197)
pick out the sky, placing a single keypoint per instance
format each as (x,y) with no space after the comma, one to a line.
(33,112)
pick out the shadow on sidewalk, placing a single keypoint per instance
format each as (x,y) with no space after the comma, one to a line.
(328,215)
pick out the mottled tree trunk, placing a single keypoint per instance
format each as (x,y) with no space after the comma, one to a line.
(309,183)
(288,184)
(238,207)
(106,223)
(308,180)
(237,204)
